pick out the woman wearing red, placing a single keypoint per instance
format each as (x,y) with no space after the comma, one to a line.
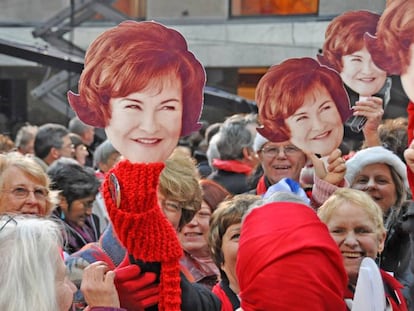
(355,223)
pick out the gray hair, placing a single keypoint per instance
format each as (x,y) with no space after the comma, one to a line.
(49,135)
(30,246)
(24,135)
(77,126)
(234,136)
(103,152)
(212,151)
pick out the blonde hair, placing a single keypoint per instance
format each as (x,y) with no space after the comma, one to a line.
(179,181)
(29,167)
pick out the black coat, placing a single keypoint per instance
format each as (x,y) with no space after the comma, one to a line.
(235,183)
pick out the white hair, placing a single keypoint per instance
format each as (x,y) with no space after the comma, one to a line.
(29,247)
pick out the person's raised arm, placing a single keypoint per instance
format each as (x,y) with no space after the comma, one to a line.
(371,108)
(329,175)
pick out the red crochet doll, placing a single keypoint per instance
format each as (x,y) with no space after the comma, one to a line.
(145,88)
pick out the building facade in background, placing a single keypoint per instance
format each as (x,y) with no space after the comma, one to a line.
(236,40)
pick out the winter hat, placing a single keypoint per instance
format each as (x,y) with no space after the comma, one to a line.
(374,155)
(259,141)
(287,260)
(287,185)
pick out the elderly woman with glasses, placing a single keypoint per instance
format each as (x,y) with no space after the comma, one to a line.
(24,186)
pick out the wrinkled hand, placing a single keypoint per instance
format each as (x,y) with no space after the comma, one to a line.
(98,286)
(332,170)
(371,108)
(136,290)
(409,156)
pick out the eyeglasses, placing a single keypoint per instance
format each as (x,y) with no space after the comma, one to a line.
(23,193)
(273,151)
(171,206)
(10,218)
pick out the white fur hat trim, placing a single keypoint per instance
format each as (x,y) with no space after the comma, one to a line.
(374,155)
(259,141)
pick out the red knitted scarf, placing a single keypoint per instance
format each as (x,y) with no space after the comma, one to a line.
(142,227)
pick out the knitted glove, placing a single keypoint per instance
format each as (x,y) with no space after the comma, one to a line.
(136,290)
(142,227)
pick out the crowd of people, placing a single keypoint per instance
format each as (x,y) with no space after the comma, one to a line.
(278,210)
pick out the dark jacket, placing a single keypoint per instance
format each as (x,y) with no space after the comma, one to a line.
(228,298)
(235,183)
(397,255)
(77,237)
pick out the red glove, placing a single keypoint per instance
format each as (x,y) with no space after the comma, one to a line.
(136,290)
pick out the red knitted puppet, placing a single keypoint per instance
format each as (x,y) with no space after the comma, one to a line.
(145,88)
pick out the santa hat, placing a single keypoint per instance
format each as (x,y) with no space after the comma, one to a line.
(374,155)
(287,260)
(259,141)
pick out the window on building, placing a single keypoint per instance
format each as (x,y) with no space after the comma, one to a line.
(248,79)
(133,8)
(274,7)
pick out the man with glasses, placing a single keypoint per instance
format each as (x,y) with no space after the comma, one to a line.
(278,160)
(52,142)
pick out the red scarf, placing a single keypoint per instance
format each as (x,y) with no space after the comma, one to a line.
(142,227)
(261,186)
(232,166)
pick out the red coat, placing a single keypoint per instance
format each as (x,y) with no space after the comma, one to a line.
(394,295)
